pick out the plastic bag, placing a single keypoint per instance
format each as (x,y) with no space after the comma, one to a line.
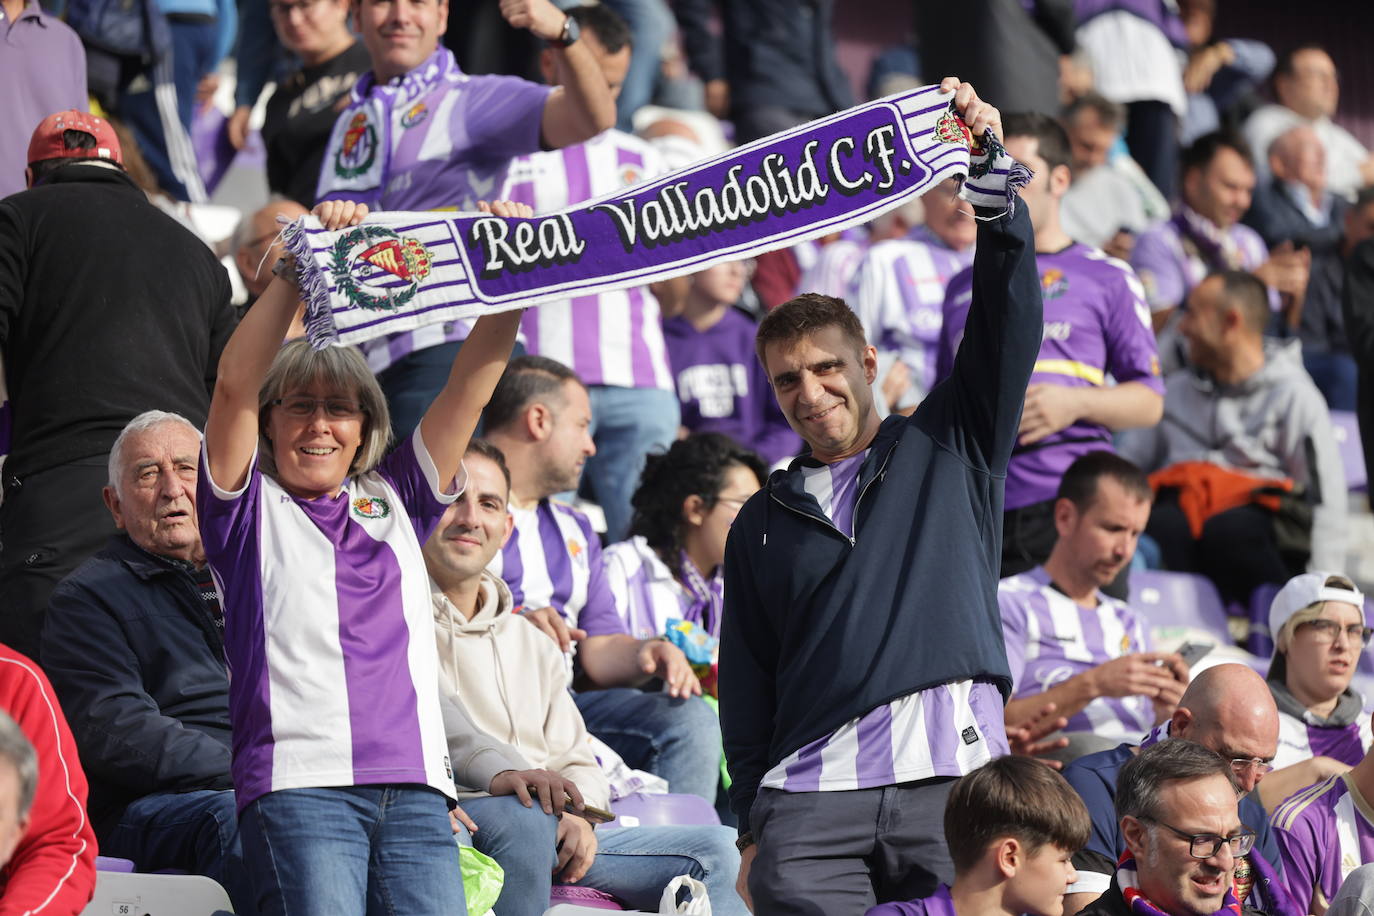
(482,880)
(698,904)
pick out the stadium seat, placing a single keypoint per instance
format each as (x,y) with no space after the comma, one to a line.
(569,898)
(1179,599)
(1347,430)
(123,894)
(641,810)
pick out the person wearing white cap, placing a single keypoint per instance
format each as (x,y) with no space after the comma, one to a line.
(1319,630)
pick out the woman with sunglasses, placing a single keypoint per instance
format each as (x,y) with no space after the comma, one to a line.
(1319,632)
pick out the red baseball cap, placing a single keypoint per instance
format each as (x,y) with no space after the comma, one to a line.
(47,139)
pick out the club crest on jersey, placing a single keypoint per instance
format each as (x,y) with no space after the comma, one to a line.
(377,269)
(630,174)
(1125,643)
(371,507)
(359,148)
(1053,283)
(575,551)
(416,114)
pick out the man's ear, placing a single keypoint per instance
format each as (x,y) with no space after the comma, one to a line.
(111,499)
(1180,722)
(1135,835)
(1065,516)
(1009,856)
(1061,177)
(510,528)
(28,177)
(869,355)
(538,421)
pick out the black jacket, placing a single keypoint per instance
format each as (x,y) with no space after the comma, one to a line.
(108,308)
(1357,307)
(818,628)
(138,666)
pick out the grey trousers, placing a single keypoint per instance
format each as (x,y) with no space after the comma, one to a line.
(839,853)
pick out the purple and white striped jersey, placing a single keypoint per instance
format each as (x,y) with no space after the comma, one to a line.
(553,559)
(899,295)
(1097,331)
(612,338)
(645,591)
(832,270)
(1051,638)
(435,138)
(947,730)
(1325,832)
(329,628)
(1170,265)
(1301,740)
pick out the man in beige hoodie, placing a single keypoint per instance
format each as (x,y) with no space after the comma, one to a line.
(513,681)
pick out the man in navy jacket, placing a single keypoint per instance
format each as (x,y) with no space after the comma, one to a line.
(862,666)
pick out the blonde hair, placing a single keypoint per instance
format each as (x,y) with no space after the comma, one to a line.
(297,366)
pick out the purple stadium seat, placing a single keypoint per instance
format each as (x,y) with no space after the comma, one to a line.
(582,896)
(1179,599)
(663,810)
(110,863)
(1347,430)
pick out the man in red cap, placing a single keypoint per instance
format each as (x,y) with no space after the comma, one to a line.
(108,308)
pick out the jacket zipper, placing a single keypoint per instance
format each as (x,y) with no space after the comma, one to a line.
(857,501)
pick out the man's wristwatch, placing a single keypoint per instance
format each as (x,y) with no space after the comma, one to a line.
(571,32)
(745,841)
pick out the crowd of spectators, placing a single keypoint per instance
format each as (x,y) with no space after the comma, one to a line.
(838,539)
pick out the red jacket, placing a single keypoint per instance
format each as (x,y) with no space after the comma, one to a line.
(52,871)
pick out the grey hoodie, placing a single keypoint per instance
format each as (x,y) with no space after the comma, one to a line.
(1273,424)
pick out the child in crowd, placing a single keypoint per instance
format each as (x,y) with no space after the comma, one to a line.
(720,383)
(1012,827)
(313,532)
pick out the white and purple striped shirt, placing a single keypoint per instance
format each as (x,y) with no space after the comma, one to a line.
(329,628)
(646,593)
(611,338)
(553,559)
(947,730)
(832,270)
(1301,740)
(1051,638)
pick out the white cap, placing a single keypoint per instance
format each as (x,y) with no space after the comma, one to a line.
(1304,591)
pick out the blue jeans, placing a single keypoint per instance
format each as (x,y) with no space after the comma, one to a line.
(523,842)
(350,851)
(1335,376)
(627,424)
(651,24)
(196,832)
(635,864)
(678,739)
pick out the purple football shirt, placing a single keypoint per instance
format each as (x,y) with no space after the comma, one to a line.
(937,904)
(1325,832)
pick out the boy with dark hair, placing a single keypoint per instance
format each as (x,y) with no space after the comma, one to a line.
(1012,827)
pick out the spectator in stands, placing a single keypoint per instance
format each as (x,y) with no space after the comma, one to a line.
(159,106)
(1219,75)
(43,69)
(255,245)
(1096,325)
(514,681)
(770,66)
(1012,827)
(1357,308)
(1326,832)
(1176,802)
(1070,644)
(301,112)
(670,568)
(827,575)
(46,838)
(1111,200)
(720,384)
(1206,235)
(1319,633)
(899,290)
(1294,209)
(539,417)
(1227,709)
(70,324)
(1251,488)
(134,643)
(613,341)
(448,137)
(1308,92)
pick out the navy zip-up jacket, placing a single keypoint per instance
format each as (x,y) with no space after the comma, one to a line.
(818,629)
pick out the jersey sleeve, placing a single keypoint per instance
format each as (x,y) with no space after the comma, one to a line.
(228,518)
(1132,354)
(504,115)
(1013,633)
(411,472)
(1301,865)
(958,297)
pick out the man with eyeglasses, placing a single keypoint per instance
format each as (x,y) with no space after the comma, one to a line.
(255,248)
(1325,833)
(1176,805)
(1228,710)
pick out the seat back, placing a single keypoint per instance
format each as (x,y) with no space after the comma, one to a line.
(1179,599)
(1347,430)
(129,894)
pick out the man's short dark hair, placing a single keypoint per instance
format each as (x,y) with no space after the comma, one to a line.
(527,380)
(493,454)
(1287,60)
(807,314)
(1016,797)
(1079,483)
(1246,292)
(72,140)
(1173,760)
(1110,114)
(610,29)
(1052,139)
(1206,148)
